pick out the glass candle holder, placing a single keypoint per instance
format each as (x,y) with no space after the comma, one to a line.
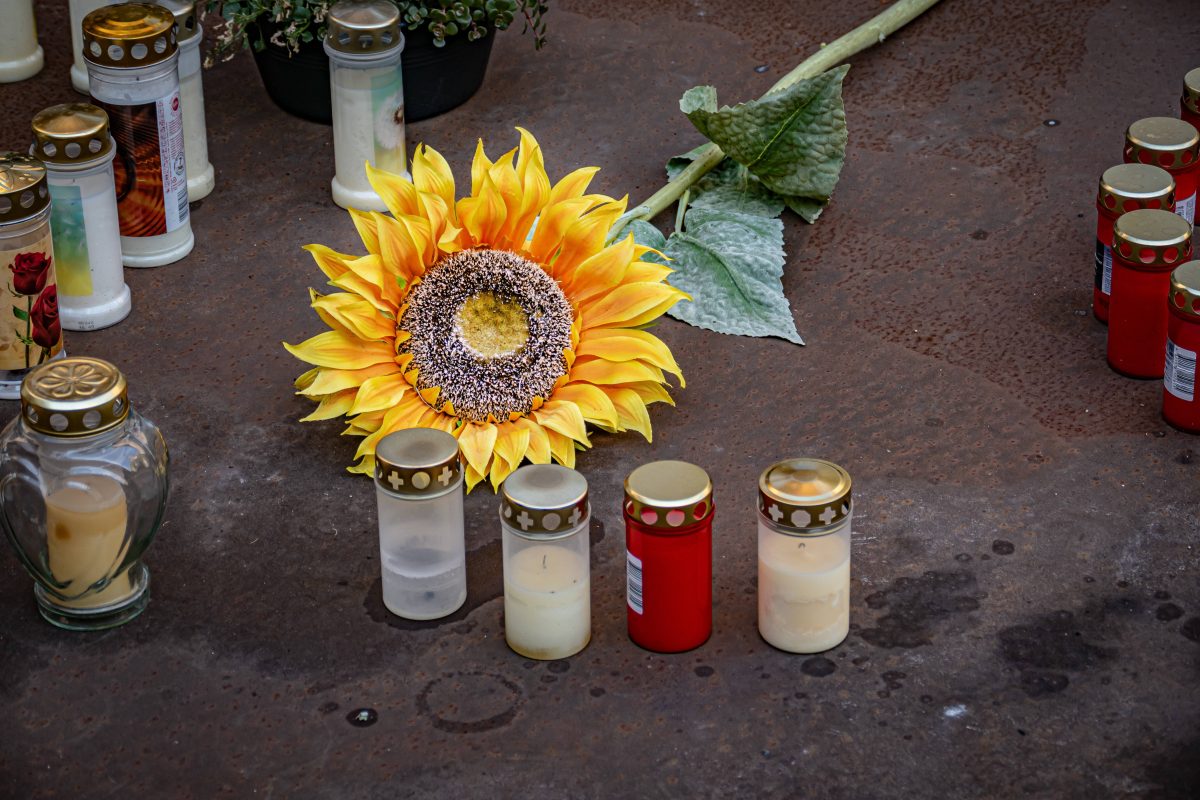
(1123,188)
(1181,406)
(78,9)
(1173,145)
(804,517)
(364,44)
(1189,103)
(83,489)
(668,554)
(132,58)
(1147,245)
(30,330)
(21,56)
(422,548)
(73,142)
(544,518)
(201,178)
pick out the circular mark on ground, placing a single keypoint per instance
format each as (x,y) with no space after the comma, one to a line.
(558,667)
(470,702)
(704,671)
(1168,611)
(362,717)
(1003,548)
(818,667)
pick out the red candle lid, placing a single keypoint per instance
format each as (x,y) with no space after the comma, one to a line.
(668,494)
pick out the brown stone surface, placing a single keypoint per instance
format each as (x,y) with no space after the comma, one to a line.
(1026,604)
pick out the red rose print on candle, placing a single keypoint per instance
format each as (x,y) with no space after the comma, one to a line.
(44,316)
(29,272)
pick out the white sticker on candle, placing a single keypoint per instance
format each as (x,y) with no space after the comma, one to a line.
(1186,208)
(1179,375)
(633,572)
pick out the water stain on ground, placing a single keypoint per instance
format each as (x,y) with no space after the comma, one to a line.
(917,607)
(818,667)
(470,702)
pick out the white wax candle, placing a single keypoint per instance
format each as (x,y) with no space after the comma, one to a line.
(547,602)
(200,175)
(803,590)
(20,54)
(85,539)
(368,125)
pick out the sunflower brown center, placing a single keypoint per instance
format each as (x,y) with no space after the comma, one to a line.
(487,328)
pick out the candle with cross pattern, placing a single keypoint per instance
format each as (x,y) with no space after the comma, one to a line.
(418,485)
(804,555)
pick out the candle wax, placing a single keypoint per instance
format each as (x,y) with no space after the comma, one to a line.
(85,539)
(803,591)
(547,602)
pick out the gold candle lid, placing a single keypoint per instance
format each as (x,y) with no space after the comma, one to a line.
(1191,90)
(1185,289)
(805,495)
(23,191)
(363,27)
(1163,141)
(72,397)
(544,499)
(417,463)
(1128,187)
(185,18)
(668,494)
(71,133)
(1151,238)
(129,35)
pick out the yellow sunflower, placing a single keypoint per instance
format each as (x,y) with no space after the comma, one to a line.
(501,318)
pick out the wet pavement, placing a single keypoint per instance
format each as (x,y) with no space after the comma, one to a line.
(1026,599)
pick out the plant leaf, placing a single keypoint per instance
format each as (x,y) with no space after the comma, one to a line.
(793,140)
(20,314)
(729,186)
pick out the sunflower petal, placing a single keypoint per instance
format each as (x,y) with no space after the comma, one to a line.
(366,230)
(330,380)
(512,440)
(472,477)
(306,379)
(483,215)
(563,417)
(586,237)
(573,185)
(331,262)
(480,164)
(404,414)
(538,449)
(626,344)
(601,272)
(593,403)
(396,191)
(380,393)
(649,391)
(562,448)
(552,226)
(432,174)
(630,305)
(336,349)
(631,411)
(353,314)
(333,405)
(476,443)
(606,373)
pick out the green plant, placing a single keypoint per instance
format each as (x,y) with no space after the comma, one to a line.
(301,21)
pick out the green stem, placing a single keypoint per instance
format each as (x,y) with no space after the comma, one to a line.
(869,33)
(28,327)
(683,202)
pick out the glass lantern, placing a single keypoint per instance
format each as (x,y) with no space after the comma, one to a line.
(83,488)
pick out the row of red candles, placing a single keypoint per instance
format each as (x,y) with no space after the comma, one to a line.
(1148,290)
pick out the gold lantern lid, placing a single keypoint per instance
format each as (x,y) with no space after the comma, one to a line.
(1150,238)
(129,35)
(71,133)
(363,27)
(185,18)
(1185,289)
(72,397)
(544,500)
(1164,141)
(1191,90)
(23,191)
(417,463)
(805,495)
(1127,187)
(668,494)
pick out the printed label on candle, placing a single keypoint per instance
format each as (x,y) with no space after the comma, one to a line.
(1186,208)
(30,332)
(70,241)
(1179,376)
(1103,267)
(633,573)
(151,176)
(387,115)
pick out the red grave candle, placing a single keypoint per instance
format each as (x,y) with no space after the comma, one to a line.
(1181,404)
(668,539)
(1173,145)
(1124,188)
(1147,245)
(1189,104)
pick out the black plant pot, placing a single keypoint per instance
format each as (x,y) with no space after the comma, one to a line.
(436,79)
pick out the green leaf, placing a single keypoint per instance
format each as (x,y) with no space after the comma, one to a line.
(729,186)
(793,140)
(20,314)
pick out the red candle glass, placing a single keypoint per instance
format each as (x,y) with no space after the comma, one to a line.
(1189,104)
(1181,405)
(1147,245)
(668,539)
(1173,145)
(1123,188)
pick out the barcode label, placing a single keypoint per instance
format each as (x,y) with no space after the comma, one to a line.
(633,572)
(1186,208)
(1179,375)
(183,205)
(1103,277)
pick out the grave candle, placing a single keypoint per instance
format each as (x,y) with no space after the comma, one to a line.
(200,175)
(1181,404)
(804,555)
(1173,145)
(1189,103)
(85,540)
(78,9)
(544,519)
(21,56)
(1123,188)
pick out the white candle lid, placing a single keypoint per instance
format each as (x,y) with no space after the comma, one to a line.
(544,499)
